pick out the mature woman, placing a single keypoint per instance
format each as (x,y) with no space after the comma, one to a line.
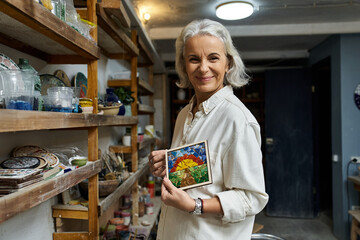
(207,61)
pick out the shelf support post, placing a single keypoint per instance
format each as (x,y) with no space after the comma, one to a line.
(134,110)
(93,132)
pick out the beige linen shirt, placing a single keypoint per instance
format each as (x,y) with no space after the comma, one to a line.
(234,142)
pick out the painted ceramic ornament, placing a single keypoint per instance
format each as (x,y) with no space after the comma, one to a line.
(48,81)
(63,77)
(80,81)
(7,63)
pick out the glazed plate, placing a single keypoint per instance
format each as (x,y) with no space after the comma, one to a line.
(80,81)
(63,77)
(7,63)
(24,163)
(48,81)
(28,150)
(50,158)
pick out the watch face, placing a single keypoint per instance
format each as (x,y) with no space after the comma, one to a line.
(357,96)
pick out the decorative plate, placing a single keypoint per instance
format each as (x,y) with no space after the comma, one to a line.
(50,158)
(43,162)
(21,163)
(80,81)
(63,77)
(28,150)
(48,81)
(7,63)
(357,96)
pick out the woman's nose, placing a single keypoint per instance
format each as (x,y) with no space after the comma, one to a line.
(204,67)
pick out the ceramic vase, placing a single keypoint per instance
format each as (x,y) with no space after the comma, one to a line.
(122,110)
(111,97)
(181,94)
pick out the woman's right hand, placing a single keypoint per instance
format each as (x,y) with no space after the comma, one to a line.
(157,163)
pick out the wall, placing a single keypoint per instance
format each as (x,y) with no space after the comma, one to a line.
(344,51)
(37,223)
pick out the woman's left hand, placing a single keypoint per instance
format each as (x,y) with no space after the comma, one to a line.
(178,198)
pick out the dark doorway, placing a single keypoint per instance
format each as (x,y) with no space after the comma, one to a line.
(289,148)
(321,80)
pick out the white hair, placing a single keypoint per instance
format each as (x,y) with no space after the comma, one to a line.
(235,76)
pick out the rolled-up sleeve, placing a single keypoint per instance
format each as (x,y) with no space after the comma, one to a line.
(243,175)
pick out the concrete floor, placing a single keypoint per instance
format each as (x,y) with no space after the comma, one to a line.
(319,228)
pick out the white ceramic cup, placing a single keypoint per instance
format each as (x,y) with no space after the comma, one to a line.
(126,140)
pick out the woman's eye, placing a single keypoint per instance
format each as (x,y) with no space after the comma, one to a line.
(214,58)
(193,60)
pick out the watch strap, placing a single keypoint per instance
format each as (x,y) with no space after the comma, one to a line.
(198,207)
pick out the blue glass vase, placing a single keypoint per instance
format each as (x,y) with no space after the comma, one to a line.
(122,110)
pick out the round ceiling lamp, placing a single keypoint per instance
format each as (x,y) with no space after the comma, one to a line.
(234,10)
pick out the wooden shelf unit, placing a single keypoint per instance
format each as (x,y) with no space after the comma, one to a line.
(32,29)
(37,193)
(138,87)
(15,120)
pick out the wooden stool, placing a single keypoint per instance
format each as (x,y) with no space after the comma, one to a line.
(355,224)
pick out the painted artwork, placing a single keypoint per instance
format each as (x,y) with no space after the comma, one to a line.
(188,166)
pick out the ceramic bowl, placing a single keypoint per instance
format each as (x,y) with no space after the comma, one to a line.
(85,102)
(112,110)
(78,161)
(87,109)
(105,187)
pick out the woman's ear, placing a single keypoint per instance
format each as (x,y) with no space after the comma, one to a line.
(229,63)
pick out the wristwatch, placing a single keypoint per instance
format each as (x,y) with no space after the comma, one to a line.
(198,207)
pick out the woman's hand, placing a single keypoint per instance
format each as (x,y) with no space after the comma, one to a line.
(175,197)
(157,163)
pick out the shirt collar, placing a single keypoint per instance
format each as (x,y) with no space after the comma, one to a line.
(214,100)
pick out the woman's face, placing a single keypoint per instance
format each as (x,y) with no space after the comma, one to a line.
(206,64)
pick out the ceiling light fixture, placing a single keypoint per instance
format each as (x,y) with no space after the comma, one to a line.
(234,10)
(146,16)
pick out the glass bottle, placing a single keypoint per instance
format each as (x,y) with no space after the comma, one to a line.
(38,101)
(24,64)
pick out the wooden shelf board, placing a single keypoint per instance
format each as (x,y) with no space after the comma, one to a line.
(144,52)
(70,211)
(145,88)
(33,195)
(120,149)
(56,38)
(115,8)
(126,149)
(16,120)
(119,83)
(114,32)
(71,235)
(145,109)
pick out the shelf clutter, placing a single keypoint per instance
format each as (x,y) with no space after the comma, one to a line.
(46,36)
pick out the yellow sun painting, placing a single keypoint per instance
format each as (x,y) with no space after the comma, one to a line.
(186,163)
